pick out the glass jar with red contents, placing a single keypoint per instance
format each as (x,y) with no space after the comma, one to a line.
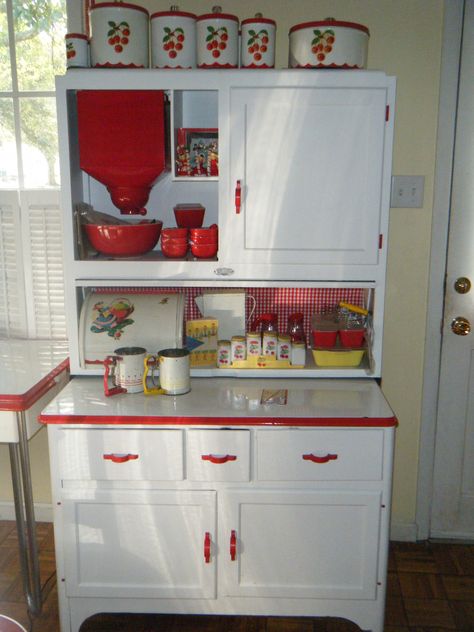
(296,327)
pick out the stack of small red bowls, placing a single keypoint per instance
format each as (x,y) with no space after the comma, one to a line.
(174,242)
(203,241)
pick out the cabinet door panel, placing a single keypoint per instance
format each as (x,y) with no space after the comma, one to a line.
(310,163)
(301,544)
(139,544)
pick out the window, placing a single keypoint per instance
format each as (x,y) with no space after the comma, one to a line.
(31,271)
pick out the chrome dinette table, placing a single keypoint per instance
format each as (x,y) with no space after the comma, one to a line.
(32,372)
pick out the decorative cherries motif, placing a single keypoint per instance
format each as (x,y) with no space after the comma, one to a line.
(173,41)
(257,43)
(322,44)
(217,40)
(118,35)
(70,51)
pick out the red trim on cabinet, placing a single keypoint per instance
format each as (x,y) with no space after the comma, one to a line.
(24,401)
(387,113)
(121,420)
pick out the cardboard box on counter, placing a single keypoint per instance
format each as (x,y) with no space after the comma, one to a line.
(201,340)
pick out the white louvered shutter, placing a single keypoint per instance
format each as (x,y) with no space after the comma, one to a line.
(43,256)
(13,321)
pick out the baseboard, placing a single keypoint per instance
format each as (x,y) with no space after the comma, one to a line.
(404,532)
(43,511)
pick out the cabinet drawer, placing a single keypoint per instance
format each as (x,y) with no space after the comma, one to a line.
(218,455)
(122,454)
(319,455)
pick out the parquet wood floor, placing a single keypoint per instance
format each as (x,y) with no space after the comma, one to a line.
(430,589)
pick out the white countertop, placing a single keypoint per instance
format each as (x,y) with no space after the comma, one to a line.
(28,369)
(222,400)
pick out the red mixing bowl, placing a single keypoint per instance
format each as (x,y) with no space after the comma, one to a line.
(124,240)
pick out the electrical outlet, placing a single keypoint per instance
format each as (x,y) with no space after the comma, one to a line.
(407,191)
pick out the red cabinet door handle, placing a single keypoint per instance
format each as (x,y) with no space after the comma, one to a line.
(238,197)
(320,459)
(207,547)
(119,458)
(217,458)
(233,545)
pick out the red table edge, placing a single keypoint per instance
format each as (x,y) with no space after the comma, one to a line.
(121,420)
(24,401)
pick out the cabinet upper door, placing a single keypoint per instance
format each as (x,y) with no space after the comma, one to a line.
(310,164)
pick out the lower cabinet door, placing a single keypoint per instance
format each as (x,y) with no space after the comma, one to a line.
(299,544)
(140,544)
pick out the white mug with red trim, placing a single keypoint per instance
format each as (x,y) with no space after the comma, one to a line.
(77,50)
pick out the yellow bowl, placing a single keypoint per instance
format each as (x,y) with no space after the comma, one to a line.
(336,357)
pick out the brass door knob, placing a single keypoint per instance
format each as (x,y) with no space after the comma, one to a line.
(461,326)
(462,285)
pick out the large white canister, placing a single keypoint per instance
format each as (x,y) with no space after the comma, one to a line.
(173,39)
(328,43)
(217,38)
(119,35)
(257,48)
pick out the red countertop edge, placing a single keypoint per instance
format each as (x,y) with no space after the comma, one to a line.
(356,422)
(17,403)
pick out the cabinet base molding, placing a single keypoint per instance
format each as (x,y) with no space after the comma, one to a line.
(368,615)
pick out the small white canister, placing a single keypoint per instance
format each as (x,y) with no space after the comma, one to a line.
(77,50)
(329,43)
(258,42)
(119,35)
(217,40)
(174,371)
(173,39)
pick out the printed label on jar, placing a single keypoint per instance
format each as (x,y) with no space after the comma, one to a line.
(269,344)
(254,344)
(284,347)
(238,348)
(223,353)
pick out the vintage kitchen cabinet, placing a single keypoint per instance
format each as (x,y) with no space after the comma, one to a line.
(255,509)
(301,199)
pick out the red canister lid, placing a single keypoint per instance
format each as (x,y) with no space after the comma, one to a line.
(218,16)
(118,5)
(172,14)
(76,35)
(329,23)
(257,20)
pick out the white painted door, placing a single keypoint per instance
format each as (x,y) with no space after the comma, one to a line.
(453,482)
(309,163)
(140,544)
(302,544)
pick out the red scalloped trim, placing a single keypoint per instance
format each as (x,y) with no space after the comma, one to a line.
(119,65)
(173,67)
(217,66)
(258,66)
(345,66)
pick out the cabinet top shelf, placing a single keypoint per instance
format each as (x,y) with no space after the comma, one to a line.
(128,79)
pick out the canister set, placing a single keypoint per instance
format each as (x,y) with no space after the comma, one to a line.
(125,35)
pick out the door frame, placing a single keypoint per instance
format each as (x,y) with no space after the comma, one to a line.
(449,80)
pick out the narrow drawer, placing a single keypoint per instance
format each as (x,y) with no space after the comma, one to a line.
(218,455)
(122,455)
(319,455)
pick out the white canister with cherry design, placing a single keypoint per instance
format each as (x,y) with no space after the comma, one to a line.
(258,42)
(119,35)
(217,39)
(173,39)
(328,43)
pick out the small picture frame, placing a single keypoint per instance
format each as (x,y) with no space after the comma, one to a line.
(197,152)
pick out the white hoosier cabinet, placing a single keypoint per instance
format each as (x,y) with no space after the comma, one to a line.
(261,491)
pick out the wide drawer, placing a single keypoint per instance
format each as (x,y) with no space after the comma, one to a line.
(319,455)
(121,454)
(218,455)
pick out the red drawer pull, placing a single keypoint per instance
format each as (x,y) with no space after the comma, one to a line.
(320,459)
(233,545)
(207,547)
(120,458)
(214,458)
(238,196)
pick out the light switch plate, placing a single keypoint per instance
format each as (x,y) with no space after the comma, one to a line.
(407,191)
